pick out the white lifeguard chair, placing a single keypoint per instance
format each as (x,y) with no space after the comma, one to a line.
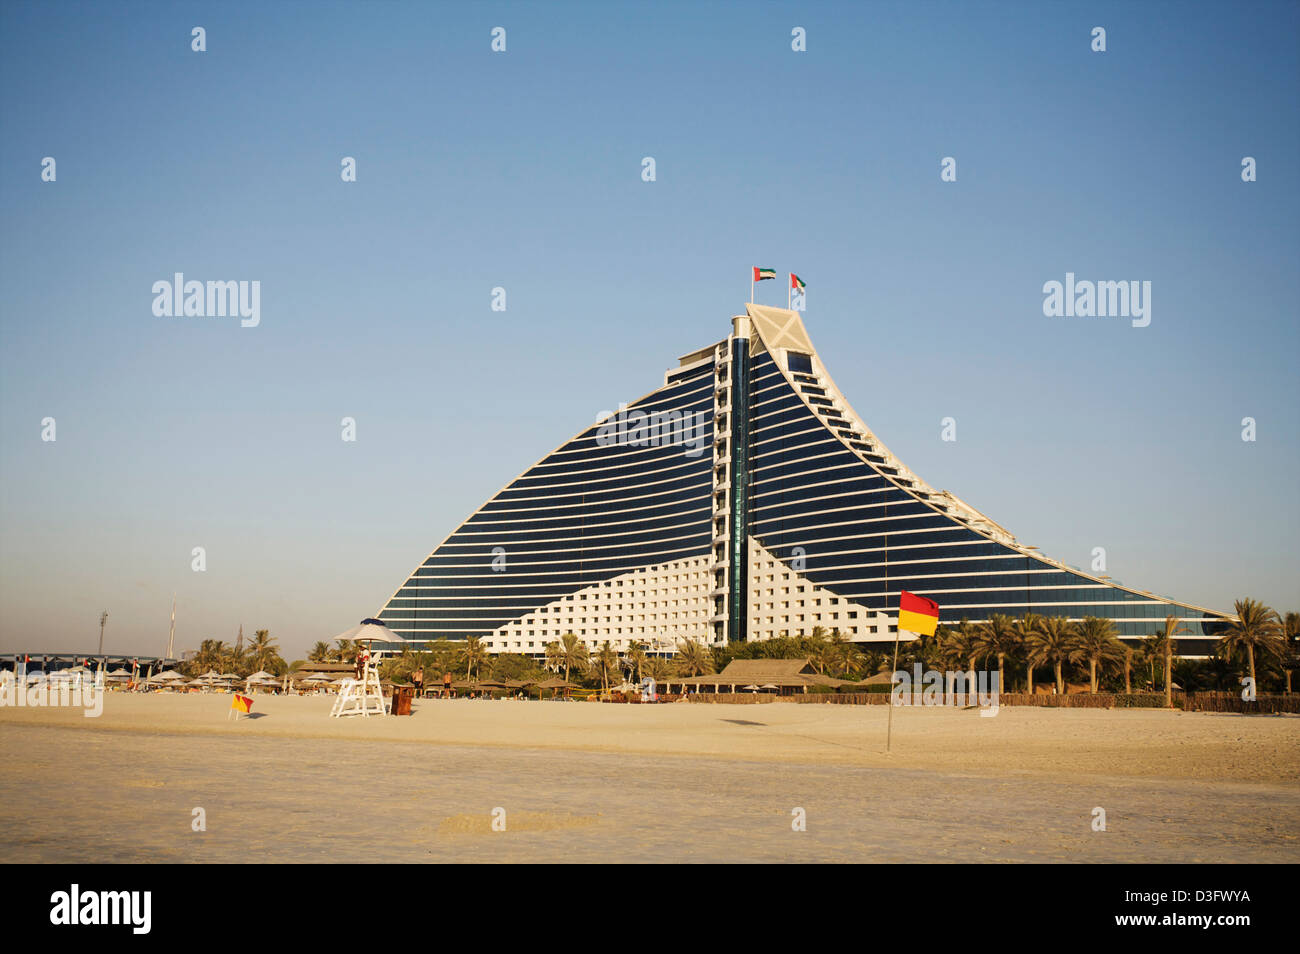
(363,696)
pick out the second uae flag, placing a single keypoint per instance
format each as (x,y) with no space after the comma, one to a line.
(916,614)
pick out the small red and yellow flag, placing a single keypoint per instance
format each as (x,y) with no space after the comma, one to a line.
(241,703)
(916,614)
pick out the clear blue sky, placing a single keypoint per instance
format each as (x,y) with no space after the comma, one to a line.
(522,170)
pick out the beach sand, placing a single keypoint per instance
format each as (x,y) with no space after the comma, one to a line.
(668,783)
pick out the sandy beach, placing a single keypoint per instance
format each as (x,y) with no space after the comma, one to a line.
(669,783)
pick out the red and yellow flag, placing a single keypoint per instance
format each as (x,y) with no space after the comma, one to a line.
(241,703)
(916,614)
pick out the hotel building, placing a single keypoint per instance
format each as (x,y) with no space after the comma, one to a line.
(742,500)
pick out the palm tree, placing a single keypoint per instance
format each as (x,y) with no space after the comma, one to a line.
(657,668)
(819,649)
(209,656)
(347,651)
(694,658)
(605,662)
(997,637)
(1165,641)
(573,654)
(1025,627)
(554,656)
(958,647)
(636,657)
(948,651)
(1095,643)
(475,654)
(1256,629)
(1150,650)
(220,655)
(850,658)
(1291,634)
(261,648)
(969,634)
(1050,643)
(872,660)
(319,653)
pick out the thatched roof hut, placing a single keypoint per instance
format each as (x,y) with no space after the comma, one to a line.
(786,676)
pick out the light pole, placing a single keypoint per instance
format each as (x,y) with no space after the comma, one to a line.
(103,618)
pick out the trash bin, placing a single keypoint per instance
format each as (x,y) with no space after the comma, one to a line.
(402,700)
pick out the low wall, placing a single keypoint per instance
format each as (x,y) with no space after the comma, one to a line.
(1264,704)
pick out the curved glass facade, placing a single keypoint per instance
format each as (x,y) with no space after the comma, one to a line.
(603,504)
(859,533)
(744,499)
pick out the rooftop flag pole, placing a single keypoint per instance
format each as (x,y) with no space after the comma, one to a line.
(795,282)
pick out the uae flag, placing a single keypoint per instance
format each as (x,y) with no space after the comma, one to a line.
(796,282)
(916,614)
(763,274)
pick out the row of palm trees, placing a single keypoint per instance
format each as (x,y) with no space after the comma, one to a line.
(570,654)
(261,653)
(1037,641)
(344,652)
(1257,635)
(829,652)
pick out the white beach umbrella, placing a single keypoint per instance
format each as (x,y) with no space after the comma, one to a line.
(261,674)
(169,675)
(369,630)
(317,677)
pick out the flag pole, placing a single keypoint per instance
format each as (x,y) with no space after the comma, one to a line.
(751,286)
(889,731)
(789,294)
